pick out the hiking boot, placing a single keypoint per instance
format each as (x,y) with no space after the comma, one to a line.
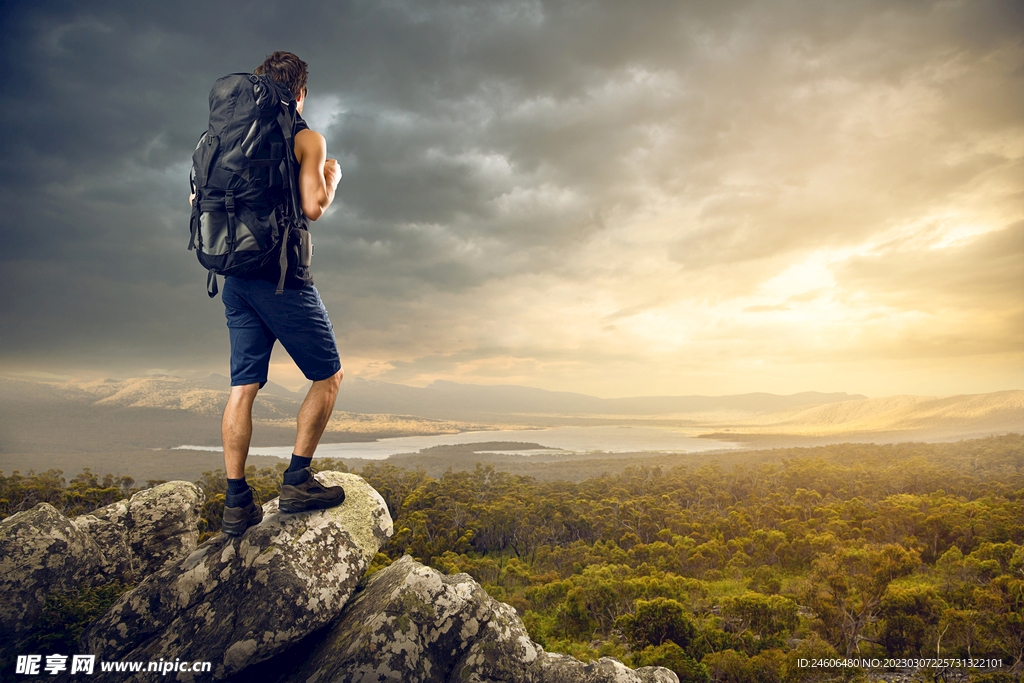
(237,519)
(303,492)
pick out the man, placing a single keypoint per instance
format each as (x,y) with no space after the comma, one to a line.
(257,317)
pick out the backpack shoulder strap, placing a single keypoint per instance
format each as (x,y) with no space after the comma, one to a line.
(286,119)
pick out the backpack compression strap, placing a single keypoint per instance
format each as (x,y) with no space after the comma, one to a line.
(283,260)
(286,120)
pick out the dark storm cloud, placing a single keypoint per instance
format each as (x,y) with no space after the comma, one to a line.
(480,142)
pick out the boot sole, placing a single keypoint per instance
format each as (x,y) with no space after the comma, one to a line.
(303,505)
(239,527)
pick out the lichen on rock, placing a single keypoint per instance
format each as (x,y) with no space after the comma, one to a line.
(41,551)
(238,600)
(161,524)
(413,624)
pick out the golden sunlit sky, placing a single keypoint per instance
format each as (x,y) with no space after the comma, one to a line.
(618,199)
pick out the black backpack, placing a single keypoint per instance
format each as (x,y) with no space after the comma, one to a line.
(244,176)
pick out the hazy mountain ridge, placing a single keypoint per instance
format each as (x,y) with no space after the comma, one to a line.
(944,415)
(440,400)
(160,412)
(129,425)
(163,411)
(193,396)
(524,399)
(201,397)
(451,400)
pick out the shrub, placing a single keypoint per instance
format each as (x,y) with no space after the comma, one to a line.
(671,656)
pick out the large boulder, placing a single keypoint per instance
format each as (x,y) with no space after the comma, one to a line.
(161,524)
(112,540)
(41,551)
(238,600)
(413,624)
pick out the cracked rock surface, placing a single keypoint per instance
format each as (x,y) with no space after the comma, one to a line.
(111,539)
(160,525)
(238,600)
(413,624)
(41,551)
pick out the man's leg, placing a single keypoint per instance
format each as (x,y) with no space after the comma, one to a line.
(300,490)
(236,428)
(298,319)
(252,343)
(314,414)
(240,510)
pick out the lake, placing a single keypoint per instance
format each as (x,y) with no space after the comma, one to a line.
(570,439)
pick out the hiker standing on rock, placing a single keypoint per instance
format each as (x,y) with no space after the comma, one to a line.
(259,175)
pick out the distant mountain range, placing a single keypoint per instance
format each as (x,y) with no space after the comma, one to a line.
(440,400)
(160,411)
(452,400)
(917,417)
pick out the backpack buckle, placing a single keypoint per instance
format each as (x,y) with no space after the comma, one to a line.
(229,200)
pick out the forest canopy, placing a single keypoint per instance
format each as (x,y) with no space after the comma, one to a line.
(720,573)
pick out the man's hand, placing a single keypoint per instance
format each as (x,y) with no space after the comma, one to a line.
(332,173)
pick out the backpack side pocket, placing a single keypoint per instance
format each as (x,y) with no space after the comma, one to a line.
(203,157)
(305,248)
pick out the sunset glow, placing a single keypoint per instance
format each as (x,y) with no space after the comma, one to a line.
(579,197)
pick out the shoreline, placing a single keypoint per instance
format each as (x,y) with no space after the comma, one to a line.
(605,441)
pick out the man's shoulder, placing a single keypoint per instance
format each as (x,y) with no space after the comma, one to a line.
(309,142)
(309,135)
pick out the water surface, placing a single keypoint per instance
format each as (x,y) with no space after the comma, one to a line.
(568,439)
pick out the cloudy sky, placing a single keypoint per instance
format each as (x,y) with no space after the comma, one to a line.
(616,198)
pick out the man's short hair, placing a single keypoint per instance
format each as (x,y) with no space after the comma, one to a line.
(286,69)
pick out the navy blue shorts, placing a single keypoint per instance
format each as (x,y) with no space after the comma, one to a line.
(257,317)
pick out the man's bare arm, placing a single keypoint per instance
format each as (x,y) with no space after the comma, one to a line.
(318,175)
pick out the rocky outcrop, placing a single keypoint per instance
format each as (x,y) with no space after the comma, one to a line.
(160,524)
(41,551)
(111,539)
(413,624)
(237,601)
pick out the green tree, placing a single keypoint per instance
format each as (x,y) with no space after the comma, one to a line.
(727,666)
(907,615)
(767,618)
(847,588)
(671,656)
(656,622)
